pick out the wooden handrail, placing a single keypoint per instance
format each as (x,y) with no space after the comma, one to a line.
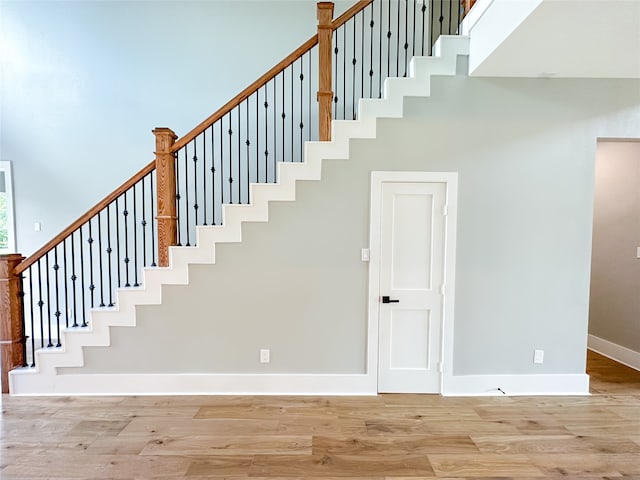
(350,13)
(26,263)
(467,5)
(246,93)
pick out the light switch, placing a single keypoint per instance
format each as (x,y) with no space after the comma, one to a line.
(638,252)
(364,255)
(37,226)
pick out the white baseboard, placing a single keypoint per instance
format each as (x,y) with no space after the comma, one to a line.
(616,352)
(496,385)
(24,382)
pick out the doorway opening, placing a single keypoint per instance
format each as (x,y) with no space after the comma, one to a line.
(614,302)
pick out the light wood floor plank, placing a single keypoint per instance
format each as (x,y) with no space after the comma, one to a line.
(390,437)
(230,445)
(342,465)
(484,465)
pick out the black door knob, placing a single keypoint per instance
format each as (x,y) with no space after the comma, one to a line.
(387,299)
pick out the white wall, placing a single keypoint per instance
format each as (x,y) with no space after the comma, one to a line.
(614,313)
(85,82)
(525,152)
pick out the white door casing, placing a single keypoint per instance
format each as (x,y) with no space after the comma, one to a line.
(412,261)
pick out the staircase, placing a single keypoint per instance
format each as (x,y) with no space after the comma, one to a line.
(44,377)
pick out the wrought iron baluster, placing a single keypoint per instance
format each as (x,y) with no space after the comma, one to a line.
(239,172)
(413,30)
(33,332)
(82,282)
(423,9)
(431,29)
(195,180)
(284,116)
(301,124)
(362,59)
(74,278)
(371,27)
(56,267)
(109,252)
(178,197)
(143,223)
(91,284)
(257,136)
(309,95)
(40,305)
(221,169)
(100,272)
(291,104)
(266,134)
(230,132)
(344,72)
(213,178)
(21,294)
(66,283)
(406,36)
(274,158)
(335,76)
(389,39)
(354,61)
(187,224)
(248,145)
(135,239)
(153,226)
(380,50)
(398,40)
(125,214)
(46,268)
(204,177)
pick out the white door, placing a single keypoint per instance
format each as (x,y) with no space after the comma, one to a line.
(412,250)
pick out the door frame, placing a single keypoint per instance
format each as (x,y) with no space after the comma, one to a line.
(378,178)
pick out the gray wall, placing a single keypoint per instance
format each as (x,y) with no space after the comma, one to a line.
(85,82)
(525,153)
(614,313)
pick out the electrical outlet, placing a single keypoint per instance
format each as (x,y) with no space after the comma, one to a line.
(538,356)
(265,355)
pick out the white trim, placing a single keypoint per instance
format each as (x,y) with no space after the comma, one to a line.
(616,352)
(450,179)
(11,234)
(474,15)
(495,385)
(27,382)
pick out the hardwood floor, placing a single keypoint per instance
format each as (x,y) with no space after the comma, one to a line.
(385,437)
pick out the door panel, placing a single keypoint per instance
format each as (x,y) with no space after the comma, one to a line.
(412,272)
(409,338)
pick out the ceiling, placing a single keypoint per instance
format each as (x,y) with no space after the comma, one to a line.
(555,38)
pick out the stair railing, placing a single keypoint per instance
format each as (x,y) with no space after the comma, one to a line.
(214,164)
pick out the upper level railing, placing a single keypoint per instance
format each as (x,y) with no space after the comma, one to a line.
(212,165)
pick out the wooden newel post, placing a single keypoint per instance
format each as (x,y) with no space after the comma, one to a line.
(165,193)
(11,332)
(325,92)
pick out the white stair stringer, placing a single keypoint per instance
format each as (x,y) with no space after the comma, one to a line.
(44,378)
